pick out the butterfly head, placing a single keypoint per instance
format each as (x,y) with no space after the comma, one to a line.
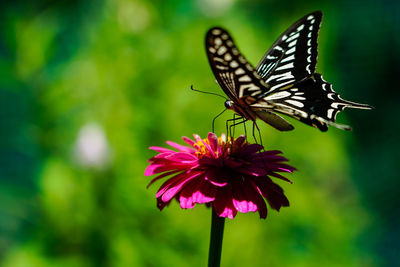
(241,110)
(229,104)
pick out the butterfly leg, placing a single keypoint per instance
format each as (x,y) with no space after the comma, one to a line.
(234,117)
(232,127)
(237,123)
(244,125)
(228,126)
(245,130)
(255,126)
(234,123)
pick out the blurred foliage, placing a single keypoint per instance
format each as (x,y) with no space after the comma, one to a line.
(87,86)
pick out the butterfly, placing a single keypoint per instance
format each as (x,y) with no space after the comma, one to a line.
(283,82)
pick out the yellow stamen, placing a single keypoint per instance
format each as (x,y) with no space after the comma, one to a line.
(202,150)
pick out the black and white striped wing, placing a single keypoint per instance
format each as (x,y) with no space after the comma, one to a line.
(234,74)
(292,58)
(312,101)
(284,81)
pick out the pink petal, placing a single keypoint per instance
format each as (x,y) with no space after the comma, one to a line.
(286,168)
(180,147)
(209,149)
(277,175)
(228,212)
(152,169)
(161,176)
(160,149)
(161,205)
(223,204)
(177,179)
(262,207)
(213,140)
(192,193)
(244,206)
(182,157)
(184,166)
(188,141)
(244,196)
(173,190)
(273,193)
(216,177)
(199,197)
(156,168)
(163,155)
(253,170)
(219,150)
(186,202)
(186,195)
(205,194)
(251,149)
(271,152)
(239,141)
(197,138)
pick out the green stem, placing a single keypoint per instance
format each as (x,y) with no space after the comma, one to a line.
(217,233)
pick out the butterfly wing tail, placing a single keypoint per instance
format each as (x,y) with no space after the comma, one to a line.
(350,104)
(326,86)
(337,125)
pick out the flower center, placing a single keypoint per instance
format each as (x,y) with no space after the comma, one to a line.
(203,147)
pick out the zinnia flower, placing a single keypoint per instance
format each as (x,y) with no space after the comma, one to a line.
(231,175)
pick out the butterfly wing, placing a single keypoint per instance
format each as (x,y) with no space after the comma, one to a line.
(312,101)
(238,78)
(234,74)
(284,81)
(288,68)
(292,58)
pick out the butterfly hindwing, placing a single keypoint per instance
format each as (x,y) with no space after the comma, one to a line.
(293,57)
(312,101)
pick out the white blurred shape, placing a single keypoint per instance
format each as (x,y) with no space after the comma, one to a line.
(214,8)
(92,148)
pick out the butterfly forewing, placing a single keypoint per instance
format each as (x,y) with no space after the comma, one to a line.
(234,74)
(292,58)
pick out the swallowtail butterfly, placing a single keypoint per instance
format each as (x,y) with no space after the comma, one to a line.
(284,81)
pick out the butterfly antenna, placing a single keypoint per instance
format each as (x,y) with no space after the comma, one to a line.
(193,89)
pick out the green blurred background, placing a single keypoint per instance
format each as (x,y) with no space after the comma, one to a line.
(87,86)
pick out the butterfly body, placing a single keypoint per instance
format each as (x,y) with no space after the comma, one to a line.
(283,82)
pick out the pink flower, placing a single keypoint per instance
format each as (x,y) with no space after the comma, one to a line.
(231,175)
